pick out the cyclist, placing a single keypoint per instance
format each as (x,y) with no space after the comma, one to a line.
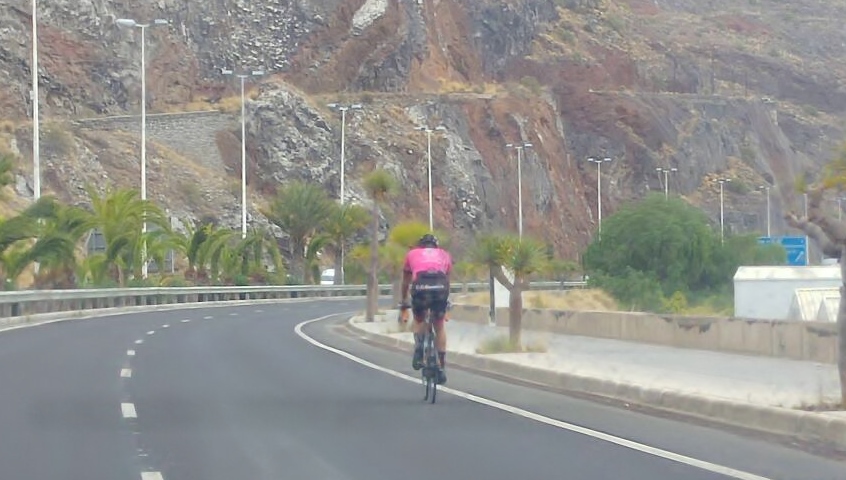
(428,266)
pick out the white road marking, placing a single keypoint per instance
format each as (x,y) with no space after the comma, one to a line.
(186,320)
(151,332)
(166,325)
(208,317)
(693,462)
(151,476)
(233,314)
(259,311)
(130,353)
(139,342)
(126,372)
(128,410)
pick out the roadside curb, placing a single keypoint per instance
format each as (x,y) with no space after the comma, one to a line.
(781,421)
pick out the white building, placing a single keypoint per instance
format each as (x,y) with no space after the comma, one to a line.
(768,292)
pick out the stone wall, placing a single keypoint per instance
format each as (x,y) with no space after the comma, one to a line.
(191,134)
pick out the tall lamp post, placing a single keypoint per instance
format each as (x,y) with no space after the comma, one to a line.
(36,136)
(766,188)
(519,149)
(666,172)
(722,181)
(343,109)
(599,163)
(130,23)
(429,131)
(243,76)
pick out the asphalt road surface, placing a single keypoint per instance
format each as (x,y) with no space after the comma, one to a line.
(239,393)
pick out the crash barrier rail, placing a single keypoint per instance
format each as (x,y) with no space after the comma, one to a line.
(32,302)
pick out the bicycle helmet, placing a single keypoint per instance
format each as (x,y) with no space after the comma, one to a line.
(428,240)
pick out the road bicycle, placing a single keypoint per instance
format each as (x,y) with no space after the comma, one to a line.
(431,367)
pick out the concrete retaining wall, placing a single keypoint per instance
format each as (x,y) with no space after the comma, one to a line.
(812,341)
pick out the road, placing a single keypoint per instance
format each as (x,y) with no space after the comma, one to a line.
(236,393)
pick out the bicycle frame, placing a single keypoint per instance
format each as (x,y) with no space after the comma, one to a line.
(430,370)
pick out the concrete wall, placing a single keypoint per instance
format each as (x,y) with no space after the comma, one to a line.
(191,134)
(812,341)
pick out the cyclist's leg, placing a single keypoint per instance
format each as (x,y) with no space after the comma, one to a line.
(418,309)
(438,313)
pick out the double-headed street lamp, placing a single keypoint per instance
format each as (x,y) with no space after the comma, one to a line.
(343,109)
(722,181)
(429,131)
(243,76)
(519,148)
(130,23)
(666,172)
(599,162)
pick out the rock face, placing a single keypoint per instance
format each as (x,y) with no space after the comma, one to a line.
(713,89)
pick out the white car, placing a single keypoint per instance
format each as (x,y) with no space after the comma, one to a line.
(327,277)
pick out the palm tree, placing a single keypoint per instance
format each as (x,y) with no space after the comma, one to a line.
(18,229)
(380,185)
(119,214)
(56,247)
(252,251)
(523,258)
(300,209)
(344,223)
(401,238)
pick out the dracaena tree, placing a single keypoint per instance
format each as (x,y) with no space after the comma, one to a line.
(829,233)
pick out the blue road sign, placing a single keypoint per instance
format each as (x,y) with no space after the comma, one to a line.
(796,248)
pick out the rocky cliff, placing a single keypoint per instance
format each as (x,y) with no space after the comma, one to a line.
(746,90)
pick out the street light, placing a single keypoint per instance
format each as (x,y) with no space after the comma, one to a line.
(599,163)
(767,189)
(666,172)
(343,109)
(36,136)
(429,155)
(519,149)
(130,23)
(722,181)
(243,76)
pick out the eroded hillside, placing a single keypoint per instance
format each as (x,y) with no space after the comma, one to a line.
(749,90)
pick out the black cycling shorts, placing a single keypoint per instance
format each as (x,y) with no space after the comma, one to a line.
(430,290)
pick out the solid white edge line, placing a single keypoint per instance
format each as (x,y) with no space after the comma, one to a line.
(128,410)
(151,476)
(667,455)
(126,372)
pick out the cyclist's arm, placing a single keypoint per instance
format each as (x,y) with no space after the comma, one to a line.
(406,280)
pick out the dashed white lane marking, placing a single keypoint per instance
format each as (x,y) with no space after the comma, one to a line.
(233,314)
(259,311)
(186,320)
(208,317)
(151,332)
(130,353)
(128,410)
(693,462)
(151,476)
(126,372)
(139,341)
(166,325)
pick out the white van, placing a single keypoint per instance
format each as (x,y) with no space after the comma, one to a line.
(327,277)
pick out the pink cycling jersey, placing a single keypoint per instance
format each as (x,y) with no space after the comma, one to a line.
(425,259)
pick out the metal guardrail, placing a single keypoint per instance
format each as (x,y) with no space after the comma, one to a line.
(32,302)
